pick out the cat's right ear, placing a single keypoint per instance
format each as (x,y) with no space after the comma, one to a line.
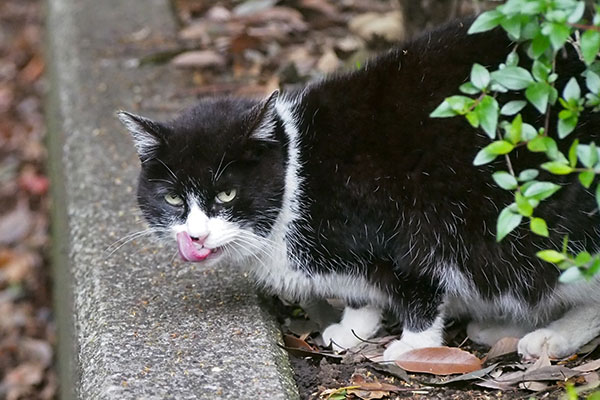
(146,134)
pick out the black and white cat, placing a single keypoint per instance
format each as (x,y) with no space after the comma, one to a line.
(348,189)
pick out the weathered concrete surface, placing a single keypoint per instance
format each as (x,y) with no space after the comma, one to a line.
(135,324)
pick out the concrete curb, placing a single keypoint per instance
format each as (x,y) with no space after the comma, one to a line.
(135,324)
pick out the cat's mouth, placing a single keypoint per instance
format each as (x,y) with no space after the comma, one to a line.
(194,252)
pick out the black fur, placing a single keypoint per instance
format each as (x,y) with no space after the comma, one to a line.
(387,192)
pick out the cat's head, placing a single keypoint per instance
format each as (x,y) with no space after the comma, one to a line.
(214,177)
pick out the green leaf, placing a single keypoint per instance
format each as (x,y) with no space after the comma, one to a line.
(487,111)
(486,21)
(559,33)
(473,118)
(566,126)
(516,129)
(505,180)
(583,258)
(480,76)
(598,195)
(590,45)
(528,132)
(537,144)
(468,88)
(592,81)
(577,13)
(443,111)
(538,94)
(586,178)
(539,45)
(528,175)
(512,58)
(512,26)
(572,90)
(541,190)
(588,155)
(499,147)
(513,78)
(573,153)
(525,208)
(571,275)
(513,107)
(541,70)
(557,168)
(460,104)
(539,227)
(483,157)
(551,256)
(507,222)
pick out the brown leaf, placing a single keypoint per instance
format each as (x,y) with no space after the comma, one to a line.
(502,347)
(389,26)
(26,374)
(547,373)
(439,361)
(15,225)
(296,343)
(198,59)
(588,367)
(368,394)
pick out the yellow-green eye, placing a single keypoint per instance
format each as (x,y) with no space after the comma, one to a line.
(226,196)
(173,199)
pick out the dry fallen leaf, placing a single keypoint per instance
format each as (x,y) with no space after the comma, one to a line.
(502,347)
(589,366)
(297,343)
(439,361)
(198,59)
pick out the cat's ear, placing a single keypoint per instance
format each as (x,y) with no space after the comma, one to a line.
(146,134)
(262,119)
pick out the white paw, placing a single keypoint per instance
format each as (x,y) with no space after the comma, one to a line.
(340,337)
(532,345)
(395,349)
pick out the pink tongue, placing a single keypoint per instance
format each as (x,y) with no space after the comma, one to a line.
(188,250)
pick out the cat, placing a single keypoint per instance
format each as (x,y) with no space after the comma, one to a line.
(348,189)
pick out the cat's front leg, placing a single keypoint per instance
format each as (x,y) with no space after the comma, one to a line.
(432,336)
(357,324)
(421,311)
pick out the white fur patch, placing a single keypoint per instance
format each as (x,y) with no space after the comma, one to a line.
(431,337)
(565,335)
(356,324)
(145,142)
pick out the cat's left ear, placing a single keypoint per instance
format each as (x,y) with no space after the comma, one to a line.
(262,119)
(146,134)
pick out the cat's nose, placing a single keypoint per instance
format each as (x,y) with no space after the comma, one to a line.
(200,239)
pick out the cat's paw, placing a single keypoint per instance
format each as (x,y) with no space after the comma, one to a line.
(531,346)
(340,337)
(396,349)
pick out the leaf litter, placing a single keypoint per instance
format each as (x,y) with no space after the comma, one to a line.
(252,47)
(27,334)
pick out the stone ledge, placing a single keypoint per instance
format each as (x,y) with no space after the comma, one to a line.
(135,324)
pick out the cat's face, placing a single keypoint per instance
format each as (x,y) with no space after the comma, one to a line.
(213,178)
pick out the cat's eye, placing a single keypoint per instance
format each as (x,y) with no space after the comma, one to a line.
(173,199)
(226,196)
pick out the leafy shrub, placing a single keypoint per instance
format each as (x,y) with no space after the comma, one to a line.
(541,30)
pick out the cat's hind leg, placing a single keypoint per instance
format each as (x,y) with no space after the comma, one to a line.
(357,324)
(564,336)
(489,332)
